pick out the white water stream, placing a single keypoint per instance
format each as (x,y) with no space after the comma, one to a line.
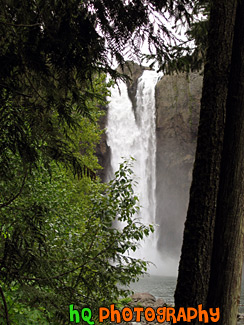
(129,136)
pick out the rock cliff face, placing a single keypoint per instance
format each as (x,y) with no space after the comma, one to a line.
(134,71)
(102,150)
(177,116)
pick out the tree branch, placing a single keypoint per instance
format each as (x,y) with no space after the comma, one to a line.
(5,306)
(19,25)
(72,270)
(2,205)
(14,90)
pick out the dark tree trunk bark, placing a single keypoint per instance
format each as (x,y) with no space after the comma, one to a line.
(227,258)
(194,268)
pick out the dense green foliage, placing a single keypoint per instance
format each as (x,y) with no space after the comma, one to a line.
(59,246)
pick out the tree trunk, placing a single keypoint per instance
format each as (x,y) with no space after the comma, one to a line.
(194,268)
(227,258)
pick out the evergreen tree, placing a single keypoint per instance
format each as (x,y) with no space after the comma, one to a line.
(212,251)
(227,257)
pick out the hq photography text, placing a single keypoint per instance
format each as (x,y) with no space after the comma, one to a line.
(161,314)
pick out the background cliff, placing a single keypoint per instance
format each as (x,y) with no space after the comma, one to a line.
(177,116)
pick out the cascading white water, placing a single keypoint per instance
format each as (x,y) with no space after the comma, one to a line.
(129,136)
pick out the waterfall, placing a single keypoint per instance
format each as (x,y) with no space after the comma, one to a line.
(133,134)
